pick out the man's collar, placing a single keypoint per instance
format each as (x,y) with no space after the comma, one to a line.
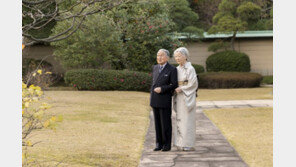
(163,65)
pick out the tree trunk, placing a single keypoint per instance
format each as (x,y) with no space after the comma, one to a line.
(232,40)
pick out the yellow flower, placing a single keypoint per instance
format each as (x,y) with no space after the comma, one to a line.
(28,124)
(39,71)
(44,106)
(53,118)
(24,85)
(34,74)
(48,73)
(27,104)
(35,99)
(46,124)
(37,88)
(24,156)
(39,93)
(29,143)
(38,114)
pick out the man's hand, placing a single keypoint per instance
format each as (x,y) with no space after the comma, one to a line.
(157,90)
(178,90)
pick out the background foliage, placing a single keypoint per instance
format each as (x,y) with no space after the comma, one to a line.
(95,44)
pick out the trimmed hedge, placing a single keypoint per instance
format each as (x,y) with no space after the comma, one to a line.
(228,61)
(94,79)
(229,80)
(267,80)
(198,68)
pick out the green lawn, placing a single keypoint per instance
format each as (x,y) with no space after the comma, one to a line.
(99,129)
(249,130)
(107,128)
(235,94)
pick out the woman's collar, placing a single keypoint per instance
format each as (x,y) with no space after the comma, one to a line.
(186,65)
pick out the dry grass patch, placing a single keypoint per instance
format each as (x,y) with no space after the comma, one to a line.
(235,94)
(249,130)
(99,129)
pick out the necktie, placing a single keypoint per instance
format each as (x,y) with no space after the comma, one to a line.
(160,69)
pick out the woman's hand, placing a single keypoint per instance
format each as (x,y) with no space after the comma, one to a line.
(178,90)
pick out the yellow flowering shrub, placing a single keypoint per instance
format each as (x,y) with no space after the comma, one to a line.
(33,117)
(40,77)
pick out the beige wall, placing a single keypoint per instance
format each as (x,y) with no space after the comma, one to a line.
(39,52)
(260,52)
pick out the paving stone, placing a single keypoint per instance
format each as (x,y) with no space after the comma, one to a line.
(208,155)
(209,159)
(192,164)
(157,164)
(222,149)
(228,164)
(211,137)
(230,102)
(259,105)
(234,104)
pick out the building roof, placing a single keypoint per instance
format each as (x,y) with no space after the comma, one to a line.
(245,34)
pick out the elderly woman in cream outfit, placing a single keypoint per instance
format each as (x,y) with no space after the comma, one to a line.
(184,102)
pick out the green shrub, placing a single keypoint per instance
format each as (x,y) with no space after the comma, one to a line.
(96,44)
(267,79)
(198,68)
(228,61)
(94,79)
(229,80)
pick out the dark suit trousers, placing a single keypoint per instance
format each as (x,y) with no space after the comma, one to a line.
(163,126)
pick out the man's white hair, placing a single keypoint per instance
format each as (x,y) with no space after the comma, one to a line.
(183,51)
(167,53)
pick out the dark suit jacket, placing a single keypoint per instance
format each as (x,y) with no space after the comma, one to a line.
(168,81)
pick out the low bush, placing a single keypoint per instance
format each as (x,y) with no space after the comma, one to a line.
(29,65)
(94,79)
(267,80)
(198,68)
(229,80)
(35,72)
(228,61)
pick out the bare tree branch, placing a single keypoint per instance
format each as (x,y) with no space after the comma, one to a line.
(40,18)
(35,2)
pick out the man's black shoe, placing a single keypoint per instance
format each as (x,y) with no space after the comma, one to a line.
(157,149)
(166,149)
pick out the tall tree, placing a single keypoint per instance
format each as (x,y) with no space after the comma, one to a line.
(145,26)
(206,9)
(181,14)
(233,17)
(39,16)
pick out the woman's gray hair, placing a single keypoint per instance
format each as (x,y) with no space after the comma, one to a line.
(183,51)
(167,53)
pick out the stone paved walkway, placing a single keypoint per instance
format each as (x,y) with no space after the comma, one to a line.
(211,149)
(234,104)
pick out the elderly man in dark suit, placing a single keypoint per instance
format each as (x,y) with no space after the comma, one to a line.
(164,83)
